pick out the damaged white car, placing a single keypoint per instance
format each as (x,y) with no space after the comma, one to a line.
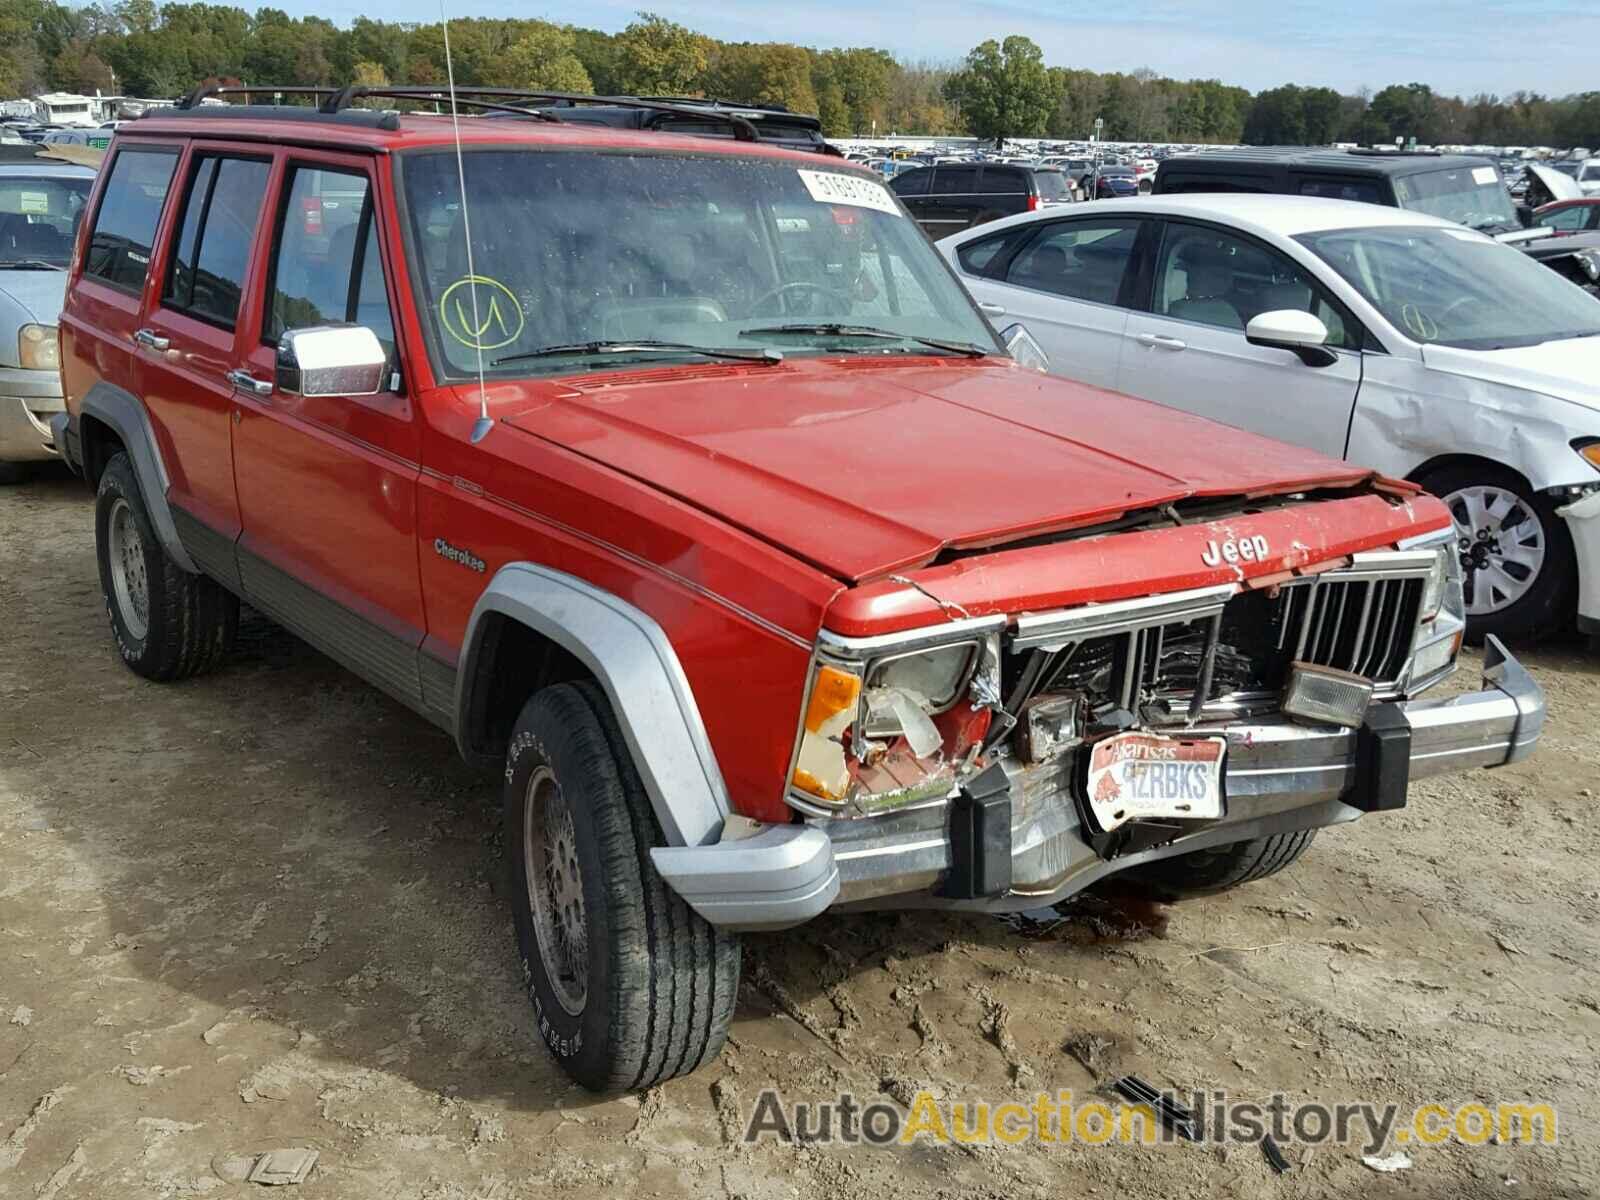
(1380,335)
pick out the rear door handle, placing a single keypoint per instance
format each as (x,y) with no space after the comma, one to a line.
(247,382)
(1160,341)
(991,310)
(152,339)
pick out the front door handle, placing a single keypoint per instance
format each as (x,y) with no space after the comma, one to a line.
(1161,341)
(247,382)
(152,339)
(991,310)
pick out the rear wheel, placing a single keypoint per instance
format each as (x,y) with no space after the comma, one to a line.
(629,985)
(1220,868)
(168,624)
(1516,554)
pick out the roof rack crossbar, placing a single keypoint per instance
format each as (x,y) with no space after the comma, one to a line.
(743,130)
(207,90)
(490,98)
(344,97)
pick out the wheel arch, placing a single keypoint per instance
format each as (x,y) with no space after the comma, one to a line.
(110,419)
(1440,462)
(580,631)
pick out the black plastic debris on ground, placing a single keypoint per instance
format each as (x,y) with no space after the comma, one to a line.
(1275,1158)
(1172,1114)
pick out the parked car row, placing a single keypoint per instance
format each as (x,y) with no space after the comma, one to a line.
(694,496)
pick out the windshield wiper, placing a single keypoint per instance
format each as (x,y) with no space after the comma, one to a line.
(642,346)
(870,331)
(29,264)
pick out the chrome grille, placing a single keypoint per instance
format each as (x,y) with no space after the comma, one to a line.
(1213,652)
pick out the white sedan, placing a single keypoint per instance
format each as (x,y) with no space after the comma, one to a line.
(1375,334)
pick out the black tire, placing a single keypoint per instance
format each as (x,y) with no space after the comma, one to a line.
(660,982)
(1548,604)
(1220,868)
(190,621)
(15,472)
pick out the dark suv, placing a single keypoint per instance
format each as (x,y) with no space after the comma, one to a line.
(1456,187)
(950,197)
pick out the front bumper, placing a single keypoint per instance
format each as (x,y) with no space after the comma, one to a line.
(28,399)
(1583,523)
(1280,777)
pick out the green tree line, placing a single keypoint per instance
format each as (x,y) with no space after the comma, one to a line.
(1003,88)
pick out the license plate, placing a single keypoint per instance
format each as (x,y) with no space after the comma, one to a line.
(1139,776)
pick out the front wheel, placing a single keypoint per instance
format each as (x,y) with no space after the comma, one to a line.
(629,985)
(1518,566)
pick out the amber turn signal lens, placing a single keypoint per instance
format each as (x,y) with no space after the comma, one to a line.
(1591,453)
(833,692)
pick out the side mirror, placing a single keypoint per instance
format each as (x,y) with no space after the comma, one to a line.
(331,360)
(1291,329)
(1021,346)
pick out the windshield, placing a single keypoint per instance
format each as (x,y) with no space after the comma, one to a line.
(715,251)
(1470,196)
(1453,288)
(39,218)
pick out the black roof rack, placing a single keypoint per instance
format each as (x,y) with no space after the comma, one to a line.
(490,98)
(1375,153)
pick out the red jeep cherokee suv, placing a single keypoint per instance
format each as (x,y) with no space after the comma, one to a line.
(677,477)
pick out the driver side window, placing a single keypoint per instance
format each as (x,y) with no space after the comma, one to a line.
(1568,220)
(327,266)
(1213,278)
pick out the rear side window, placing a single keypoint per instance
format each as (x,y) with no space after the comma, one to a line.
(1003,181)
(1336,188)
(130,210)
(980,257)
(954,180)
(1081,260)
(220,214)
(327,269)
(912,183)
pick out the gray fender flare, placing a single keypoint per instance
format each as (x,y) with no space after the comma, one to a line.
(122,411)
(635,664)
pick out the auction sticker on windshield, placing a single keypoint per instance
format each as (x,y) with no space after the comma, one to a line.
(828,187)
(1138,776)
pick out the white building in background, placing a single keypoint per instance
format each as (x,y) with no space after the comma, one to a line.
(68,108)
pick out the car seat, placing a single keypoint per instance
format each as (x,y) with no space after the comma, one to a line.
(1208,292)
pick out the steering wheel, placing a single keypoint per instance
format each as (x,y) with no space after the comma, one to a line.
(840,306)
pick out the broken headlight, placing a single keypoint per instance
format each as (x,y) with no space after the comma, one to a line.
(1441,617)
(889,720)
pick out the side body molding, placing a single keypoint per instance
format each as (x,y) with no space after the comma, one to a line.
(634,662)
(122,411)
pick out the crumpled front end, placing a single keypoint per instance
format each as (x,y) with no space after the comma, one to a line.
(1005,761)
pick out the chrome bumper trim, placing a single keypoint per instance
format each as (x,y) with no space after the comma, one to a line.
(1280,776)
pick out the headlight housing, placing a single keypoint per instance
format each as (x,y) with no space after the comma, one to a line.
(38,349)
(888,721)
(1442,615)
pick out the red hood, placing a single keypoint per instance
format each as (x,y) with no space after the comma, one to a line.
(863,466)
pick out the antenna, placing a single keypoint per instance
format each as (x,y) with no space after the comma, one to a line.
(482,426)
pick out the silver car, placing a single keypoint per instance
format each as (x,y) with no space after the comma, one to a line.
(41,203)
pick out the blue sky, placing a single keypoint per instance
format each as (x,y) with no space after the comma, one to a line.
(1456,46)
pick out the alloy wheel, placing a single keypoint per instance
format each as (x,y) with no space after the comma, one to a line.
(1502,546)
(555,889)
(125,548)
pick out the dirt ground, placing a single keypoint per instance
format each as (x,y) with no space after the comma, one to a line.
(264,910)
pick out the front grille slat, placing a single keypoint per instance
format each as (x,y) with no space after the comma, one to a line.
(1236,659)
